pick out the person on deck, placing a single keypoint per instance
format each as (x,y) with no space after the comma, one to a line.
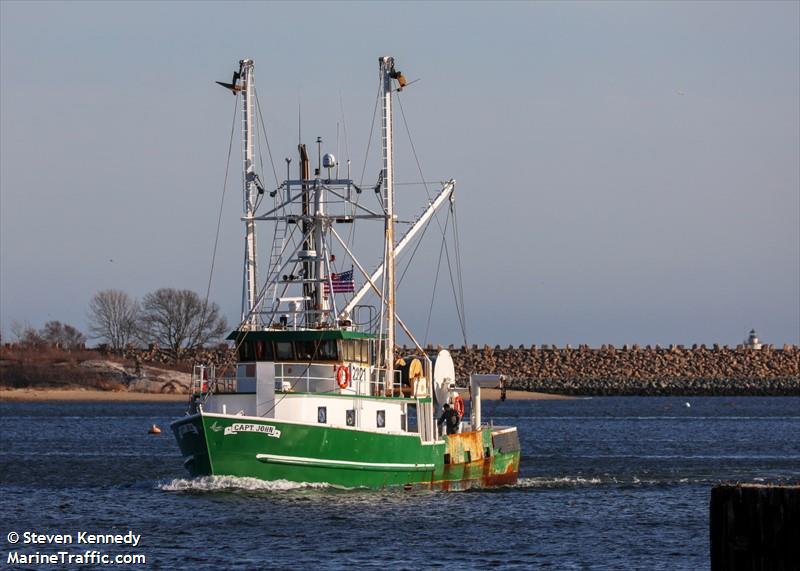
(450,419)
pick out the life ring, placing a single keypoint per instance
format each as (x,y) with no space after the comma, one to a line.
(458,405)
(343,377)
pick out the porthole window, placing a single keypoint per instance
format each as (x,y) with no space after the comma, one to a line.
(322,414)
(351,417)
(380,419)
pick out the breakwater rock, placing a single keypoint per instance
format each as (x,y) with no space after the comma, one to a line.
(633,370)
(608,370)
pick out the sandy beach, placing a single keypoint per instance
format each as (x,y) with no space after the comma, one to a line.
(125,396)
(87,395)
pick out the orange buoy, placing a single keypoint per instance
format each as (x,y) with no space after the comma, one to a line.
(154,430)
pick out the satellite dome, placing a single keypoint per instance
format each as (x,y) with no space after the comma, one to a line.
(328,161)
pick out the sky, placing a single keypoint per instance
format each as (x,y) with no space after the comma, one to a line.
(627,172)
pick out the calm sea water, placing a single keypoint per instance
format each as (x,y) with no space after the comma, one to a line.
(606,483)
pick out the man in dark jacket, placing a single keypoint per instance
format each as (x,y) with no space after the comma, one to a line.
(450,419)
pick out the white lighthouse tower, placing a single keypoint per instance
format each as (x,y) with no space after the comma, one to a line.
(752,340)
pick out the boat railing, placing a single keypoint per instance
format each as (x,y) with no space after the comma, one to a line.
(377,382)
(205,379)
(287,378)
(291,377)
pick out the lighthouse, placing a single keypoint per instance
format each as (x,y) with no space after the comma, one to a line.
(752,340)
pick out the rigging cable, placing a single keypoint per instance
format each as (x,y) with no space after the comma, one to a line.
(459,270)
(416,247)
(435,283)
(461,322)
(352,234)
(266,137)
(352,231)
(221,204)
(458,299)
(219,225)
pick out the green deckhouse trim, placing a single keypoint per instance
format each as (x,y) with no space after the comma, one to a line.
(299,335)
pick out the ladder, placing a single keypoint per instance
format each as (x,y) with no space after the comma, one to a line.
(278,244)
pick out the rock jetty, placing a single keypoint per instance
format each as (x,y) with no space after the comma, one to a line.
(635,370)
(608,370)
(581,370)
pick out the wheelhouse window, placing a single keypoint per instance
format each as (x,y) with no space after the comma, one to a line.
(283,350)
(305,350)
(263,350)
(316,350)
(328,350)
(347,350)
(356,350)
(246,351)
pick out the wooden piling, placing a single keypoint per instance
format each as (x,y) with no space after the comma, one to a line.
(755,527)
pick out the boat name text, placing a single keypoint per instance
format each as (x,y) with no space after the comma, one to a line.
(267,429)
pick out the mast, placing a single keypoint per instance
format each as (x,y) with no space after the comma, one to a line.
(320,301)
(387,72)
(308,290)
(249,285)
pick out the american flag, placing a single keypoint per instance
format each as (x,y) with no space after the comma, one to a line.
(342,283)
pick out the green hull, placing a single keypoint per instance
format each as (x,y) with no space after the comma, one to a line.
(273,450)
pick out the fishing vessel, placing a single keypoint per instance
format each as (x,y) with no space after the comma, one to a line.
(321,392)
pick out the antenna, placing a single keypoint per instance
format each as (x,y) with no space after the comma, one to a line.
(319,155)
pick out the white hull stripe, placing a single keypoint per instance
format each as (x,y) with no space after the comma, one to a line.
(320,462)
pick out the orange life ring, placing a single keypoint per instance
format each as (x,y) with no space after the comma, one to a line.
(343,377)
(458,405)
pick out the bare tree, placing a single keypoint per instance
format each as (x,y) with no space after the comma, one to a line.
(113,317)
(180,319)
(26,335)
(62,334)
(53,333)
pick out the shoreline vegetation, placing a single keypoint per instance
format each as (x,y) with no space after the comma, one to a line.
(153,374)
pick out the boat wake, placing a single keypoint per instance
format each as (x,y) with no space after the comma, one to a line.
(232,484)
(563,482)
(606,480)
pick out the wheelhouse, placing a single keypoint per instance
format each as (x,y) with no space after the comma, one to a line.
(306,346)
